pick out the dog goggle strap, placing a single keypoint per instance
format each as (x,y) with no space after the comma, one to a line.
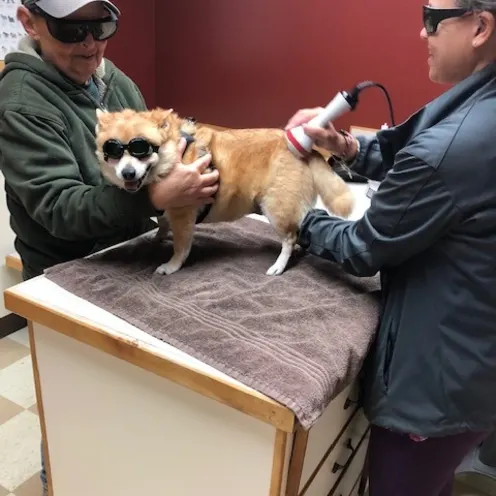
(137,147)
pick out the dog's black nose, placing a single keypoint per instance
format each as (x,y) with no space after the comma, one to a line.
(128,173)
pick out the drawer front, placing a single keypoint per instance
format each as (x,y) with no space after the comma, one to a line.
(326,430)
(350,482)
(336,466)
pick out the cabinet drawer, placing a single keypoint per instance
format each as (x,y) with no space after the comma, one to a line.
(326,430)
(350,482)
(336,465)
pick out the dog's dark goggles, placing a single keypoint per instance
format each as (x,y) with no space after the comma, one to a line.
(137,147)
(76,31)
(432,17)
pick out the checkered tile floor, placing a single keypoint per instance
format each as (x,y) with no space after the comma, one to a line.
(19,424)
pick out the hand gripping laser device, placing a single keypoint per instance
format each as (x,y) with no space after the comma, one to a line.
(300,144)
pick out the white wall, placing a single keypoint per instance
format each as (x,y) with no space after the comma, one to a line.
(8,277)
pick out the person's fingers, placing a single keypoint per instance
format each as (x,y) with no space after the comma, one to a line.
(302,116)
(181,146)
(208,191)
(209,178)
(292,122)
(298,119)
(317,133)
(203,162)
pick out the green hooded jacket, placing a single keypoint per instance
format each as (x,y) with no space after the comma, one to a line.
(61,206)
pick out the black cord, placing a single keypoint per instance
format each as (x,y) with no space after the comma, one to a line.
(370,84)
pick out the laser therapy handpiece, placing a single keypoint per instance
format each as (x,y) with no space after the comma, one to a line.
(299,143)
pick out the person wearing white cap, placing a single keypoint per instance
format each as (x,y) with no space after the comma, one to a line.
(64,8)
(61,208)
(71,34)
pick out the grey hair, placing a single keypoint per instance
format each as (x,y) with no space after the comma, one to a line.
(477,5)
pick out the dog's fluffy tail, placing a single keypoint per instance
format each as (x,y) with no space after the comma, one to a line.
(334,192)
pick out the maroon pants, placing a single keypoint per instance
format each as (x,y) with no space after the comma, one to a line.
(399,466)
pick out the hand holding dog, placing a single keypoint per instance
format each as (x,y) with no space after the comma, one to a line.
(185,185)
(327,138)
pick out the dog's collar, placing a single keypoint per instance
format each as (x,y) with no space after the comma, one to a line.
(189,139)
(202,214)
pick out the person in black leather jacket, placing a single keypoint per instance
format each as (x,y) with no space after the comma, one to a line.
(429,380)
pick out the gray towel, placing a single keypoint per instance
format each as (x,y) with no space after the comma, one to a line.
(299,338)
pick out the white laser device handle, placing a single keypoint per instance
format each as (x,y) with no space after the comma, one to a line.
(299,142)
(335,108)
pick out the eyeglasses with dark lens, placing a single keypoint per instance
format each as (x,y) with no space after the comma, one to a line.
(76,31)
(137,147)
(432,17)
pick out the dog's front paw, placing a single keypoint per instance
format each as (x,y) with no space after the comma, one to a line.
(168,268)
(276,269)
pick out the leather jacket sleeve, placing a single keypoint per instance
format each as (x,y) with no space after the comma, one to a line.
(369,163)
(412,209)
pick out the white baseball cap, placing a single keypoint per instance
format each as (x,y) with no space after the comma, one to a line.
(63,8)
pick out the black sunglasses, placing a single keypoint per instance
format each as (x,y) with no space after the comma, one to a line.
(137,147)
(76,31)
(432,17)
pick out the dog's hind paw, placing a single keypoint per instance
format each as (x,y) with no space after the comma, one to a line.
(167,269)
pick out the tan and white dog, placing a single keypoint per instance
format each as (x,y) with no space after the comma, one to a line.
(258,174)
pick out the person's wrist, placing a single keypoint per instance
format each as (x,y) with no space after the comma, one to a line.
(153,198)
(349,149)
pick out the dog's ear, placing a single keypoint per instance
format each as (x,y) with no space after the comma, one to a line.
(160,117)
(189,125)
(103,118)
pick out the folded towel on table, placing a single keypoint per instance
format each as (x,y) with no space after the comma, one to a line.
(299,338)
